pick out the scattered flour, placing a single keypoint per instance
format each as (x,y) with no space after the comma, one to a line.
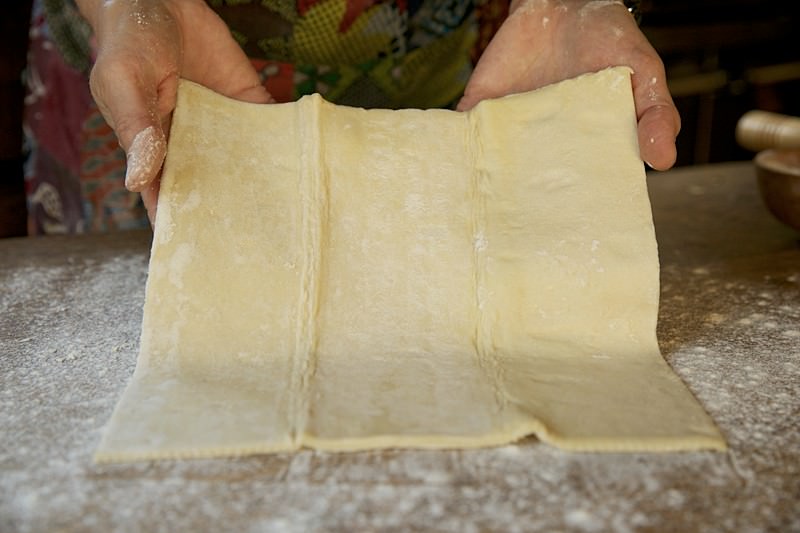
(69,342)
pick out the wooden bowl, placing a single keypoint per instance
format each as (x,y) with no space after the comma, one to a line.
(778,173)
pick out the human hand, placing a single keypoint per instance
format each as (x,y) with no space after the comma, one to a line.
(144,47)
(546,41)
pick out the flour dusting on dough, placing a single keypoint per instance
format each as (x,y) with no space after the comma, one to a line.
(183,256)
(480,242)
(192,201)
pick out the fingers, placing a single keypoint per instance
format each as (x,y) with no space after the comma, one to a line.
(131,107)
(657,132)
(659,121)
(145,157)
(134,81)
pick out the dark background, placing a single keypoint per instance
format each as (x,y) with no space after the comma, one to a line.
(723,58)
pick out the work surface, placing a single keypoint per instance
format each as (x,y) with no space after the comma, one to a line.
(729,324)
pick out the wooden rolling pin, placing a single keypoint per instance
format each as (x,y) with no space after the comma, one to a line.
(761,130)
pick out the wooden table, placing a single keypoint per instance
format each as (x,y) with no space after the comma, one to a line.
(70,314)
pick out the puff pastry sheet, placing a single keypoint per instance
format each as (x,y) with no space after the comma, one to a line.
(347,279)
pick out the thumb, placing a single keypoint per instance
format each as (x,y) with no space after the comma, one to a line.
(132,109)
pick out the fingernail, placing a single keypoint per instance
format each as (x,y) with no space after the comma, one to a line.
(144,155)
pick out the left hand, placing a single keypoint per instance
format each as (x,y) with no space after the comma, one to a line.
(546,41)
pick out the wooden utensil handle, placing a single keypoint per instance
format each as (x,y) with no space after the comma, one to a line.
(760,130)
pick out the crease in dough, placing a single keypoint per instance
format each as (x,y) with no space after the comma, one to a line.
(480,177)
(345,279)
(313,202)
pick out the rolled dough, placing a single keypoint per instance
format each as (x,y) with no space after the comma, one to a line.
(345,279)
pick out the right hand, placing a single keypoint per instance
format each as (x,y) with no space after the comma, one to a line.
(546,41)
(144,47)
